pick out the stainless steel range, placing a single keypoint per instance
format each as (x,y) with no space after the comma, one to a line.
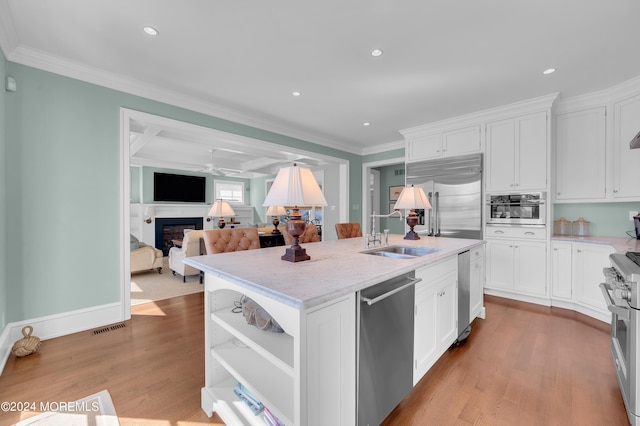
(621,294)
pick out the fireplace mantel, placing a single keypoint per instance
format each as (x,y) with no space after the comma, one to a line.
(146,231)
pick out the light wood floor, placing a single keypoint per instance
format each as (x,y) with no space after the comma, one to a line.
(523,365)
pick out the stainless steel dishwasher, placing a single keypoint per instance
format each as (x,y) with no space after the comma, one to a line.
(385,347)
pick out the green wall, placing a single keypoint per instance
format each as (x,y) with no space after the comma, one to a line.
(3,204)
(607,219)
(63,202)
(388,177)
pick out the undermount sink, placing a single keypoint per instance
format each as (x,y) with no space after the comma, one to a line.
(401,252)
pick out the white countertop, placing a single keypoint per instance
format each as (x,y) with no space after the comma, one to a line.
(336,268)
(619,244)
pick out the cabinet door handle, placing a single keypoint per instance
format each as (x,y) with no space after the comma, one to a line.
(529,233)
(579,251)
(615,191)
(555,249)
(498,232)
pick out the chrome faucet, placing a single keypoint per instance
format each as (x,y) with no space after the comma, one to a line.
(373,238)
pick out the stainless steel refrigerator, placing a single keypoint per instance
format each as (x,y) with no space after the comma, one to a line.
(454,188)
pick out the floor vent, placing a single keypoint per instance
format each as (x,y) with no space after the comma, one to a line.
(110,328)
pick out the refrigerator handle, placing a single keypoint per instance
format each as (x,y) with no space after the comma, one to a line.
(436,214)
(430,217)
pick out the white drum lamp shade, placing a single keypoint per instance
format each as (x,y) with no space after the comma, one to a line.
(412,198)
(295,187)
(220,209)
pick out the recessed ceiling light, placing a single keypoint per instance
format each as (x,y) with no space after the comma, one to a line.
(376,52)
(366,123)
(296,93)
(151,31)
(549,71)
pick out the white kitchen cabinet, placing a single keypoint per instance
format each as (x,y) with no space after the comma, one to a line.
(476,288)
(447,143)
(517,154)
(581,155)
(435,314)
(626,160)
(517,266)
(561,270)
(588,262)
(576,274)
(296,374)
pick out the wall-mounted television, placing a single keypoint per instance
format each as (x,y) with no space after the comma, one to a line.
(182,188)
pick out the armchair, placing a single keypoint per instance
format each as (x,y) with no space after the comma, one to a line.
(310,235)
(190,247)
(145,258)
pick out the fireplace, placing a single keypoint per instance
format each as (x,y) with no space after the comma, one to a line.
(172,228)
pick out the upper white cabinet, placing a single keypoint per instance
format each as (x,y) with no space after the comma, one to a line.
(625,160)
(593,160)
(581,155)
(517,153)
(447,143)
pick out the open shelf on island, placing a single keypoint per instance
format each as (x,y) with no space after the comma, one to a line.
(229,407)
(277,348)
(272,386)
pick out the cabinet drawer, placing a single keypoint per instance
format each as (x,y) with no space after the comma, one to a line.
(433,273)
(516,232)
(476,253)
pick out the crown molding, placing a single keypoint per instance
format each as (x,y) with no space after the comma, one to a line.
(612,94)
(390,146)
(527,106)
(43,61)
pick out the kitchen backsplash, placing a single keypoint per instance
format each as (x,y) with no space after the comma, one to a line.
(607,219)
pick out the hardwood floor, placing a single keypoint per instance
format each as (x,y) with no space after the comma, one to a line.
(153,368)
(524,365)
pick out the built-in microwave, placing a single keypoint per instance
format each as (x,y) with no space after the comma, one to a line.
(517,209)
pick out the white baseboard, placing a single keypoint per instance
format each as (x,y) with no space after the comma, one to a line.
(58,325)
(538,300)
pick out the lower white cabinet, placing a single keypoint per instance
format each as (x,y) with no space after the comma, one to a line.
(576,276)
(561,271)
(517,266)
(436,314)
(305,376)
(476,288)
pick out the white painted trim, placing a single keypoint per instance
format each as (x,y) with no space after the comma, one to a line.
(542,103)
(125,218)
(384,147)
(57,325)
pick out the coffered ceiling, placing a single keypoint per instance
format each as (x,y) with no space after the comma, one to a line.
(242,60)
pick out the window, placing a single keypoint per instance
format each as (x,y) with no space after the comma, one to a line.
(233,192)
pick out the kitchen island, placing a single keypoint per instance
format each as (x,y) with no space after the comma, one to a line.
(306,375)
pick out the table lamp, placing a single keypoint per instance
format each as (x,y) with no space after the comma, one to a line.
(276,211)
(221,208)
(295,186)
(412,198)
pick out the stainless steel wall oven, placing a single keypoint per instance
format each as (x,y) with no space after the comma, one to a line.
(620,291)
(516,209)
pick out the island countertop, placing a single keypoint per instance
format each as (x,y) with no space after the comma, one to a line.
(336,268)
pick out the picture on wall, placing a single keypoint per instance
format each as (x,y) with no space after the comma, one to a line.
(391,209)
(394,192)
